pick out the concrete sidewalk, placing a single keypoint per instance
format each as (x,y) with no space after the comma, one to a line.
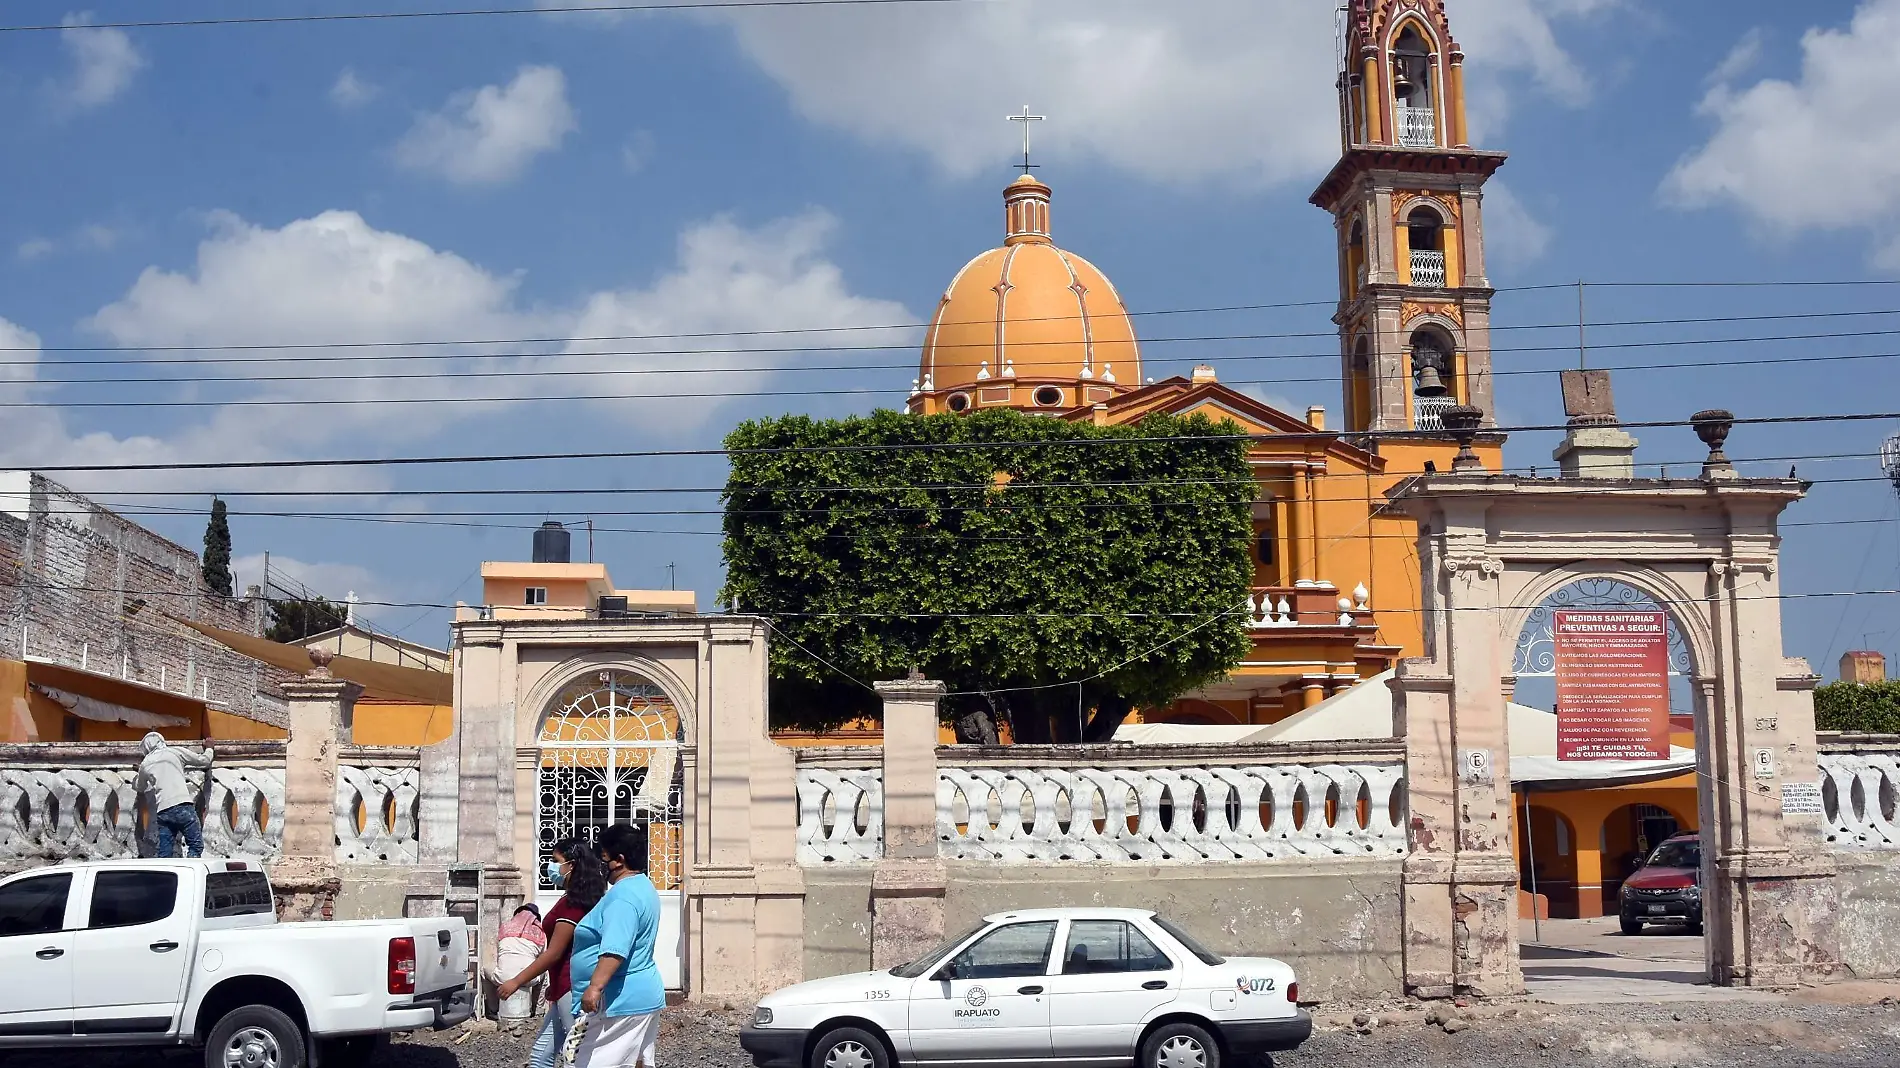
(1582,962)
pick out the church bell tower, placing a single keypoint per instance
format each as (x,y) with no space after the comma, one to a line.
(1408,196)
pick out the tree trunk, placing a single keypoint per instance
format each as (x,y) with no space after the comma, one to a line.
(1111,710)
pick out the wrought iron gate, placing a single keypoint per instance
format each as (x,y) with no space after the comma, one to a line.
(610,754)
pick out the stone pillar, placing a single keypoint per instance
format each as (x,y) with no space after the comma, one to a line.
(1771,905)
(744,892)
(322,710)
(1460,879)
(909,884)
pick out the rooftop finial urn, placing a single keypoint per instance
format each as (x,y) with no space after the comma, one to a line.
(1713,427)
(1461,422)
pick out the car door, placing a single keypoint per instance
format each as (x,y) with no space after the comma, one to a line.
(1110,976)
(131,954)
(989,1001)
(36,958)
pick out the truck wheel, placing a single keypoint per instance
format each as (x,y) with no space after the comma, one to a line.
(849,1047)
(255,1036)
(1180,1045)
(1630,925)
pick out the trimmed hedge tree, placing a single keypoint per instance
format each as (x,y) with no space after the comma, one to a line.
(1052,586)
(1858,708)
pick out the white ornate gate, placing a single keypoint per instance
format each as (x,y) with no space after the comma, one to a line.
(610,749)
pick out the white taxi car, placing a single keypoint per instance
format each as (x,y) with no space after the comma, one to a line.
(1042,986)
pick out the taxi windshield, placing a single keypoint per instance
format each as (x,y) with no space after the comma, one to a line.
(922,964)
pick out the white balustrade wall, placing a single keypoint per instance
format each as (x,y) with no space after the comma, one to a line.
(840,815)
(1859,792)
(376,810)
(79,801)
(1127,815)
(94,813)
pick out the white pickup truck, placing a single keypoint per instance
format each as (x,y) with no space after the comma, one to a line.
(190,953)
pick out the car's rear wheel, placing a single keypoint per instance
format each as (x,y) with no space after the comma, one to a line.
(1631,925)
(849,1047)
(1180,1045)
(255,1036)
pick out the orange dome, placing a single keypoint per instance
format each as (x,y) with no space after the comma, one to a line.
(1027,325)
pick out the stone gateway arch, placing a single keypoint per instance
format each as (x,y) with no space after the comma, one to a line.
(1496,547)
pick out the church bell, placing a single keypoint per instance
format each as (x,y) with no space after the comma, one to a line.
(1429,382)
(1402,84)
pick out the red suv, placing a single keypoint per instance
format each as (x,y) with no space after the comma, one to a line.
(1666,889)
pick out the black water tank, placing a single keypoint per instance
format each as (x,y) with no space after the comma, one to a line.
(551,544)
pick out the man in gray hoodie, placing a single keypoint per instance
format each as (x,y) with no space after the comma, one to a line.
(168,796)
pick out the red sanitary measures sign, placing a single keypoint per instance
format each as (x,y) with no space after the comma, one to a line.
(1612,685)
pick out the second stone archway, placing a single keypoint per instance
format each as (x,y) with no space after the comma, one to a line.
(1492,547)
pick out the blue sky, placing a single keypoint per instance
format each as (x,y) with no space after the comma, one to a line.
(582,176)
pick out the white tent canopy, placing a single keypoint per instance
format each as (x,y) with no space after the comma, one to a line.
(1364,712)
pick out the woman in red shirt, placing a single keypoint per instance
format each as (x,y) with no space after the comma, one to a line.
(577,871)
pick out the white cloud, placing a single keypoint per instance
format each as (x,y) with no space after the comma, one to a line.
(104,63)
(1740,60)
(1234,89)
(1770,137)
(92,237)
(351,91)
(336,278)
(19,352)
(730,278)
(488,136)
(1512,235)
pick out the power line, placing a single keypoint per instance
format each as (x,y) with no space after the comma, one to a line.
(986,486)
(626,454)
(910,365)
(730,350)
(545,398)
(390,16)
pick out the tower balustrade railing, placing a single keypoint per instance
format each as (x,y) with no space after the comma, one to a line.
(1428,268)
(1418,127)
(1429,412)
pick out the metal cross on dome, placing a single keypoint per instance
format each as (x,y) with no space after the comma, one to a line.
(1026,118)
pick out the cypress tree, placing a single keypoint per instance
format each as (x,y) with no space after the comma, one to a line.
(216,564)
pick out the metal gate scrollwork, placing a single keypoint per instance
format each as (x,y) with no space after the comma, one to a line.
(610,754)
(1536,654)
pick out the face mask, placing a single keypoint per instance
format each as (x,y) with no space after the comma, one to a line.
(555,878)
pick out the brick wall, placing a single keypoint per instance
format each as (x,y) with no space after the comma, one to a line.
(87,587)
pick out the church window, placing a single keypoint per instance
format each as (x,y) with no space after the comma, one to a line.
(959,402)
(536,595)
(1049,396)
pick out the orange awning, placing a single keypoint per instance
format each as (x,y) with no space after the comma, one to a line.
(385,681)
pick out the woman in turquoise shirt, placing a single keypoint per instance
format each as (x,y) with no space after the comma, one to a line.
(612,959)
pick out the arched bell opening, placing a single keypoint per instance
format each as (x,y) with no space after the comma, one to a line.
(1434,374)
(1414,88)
